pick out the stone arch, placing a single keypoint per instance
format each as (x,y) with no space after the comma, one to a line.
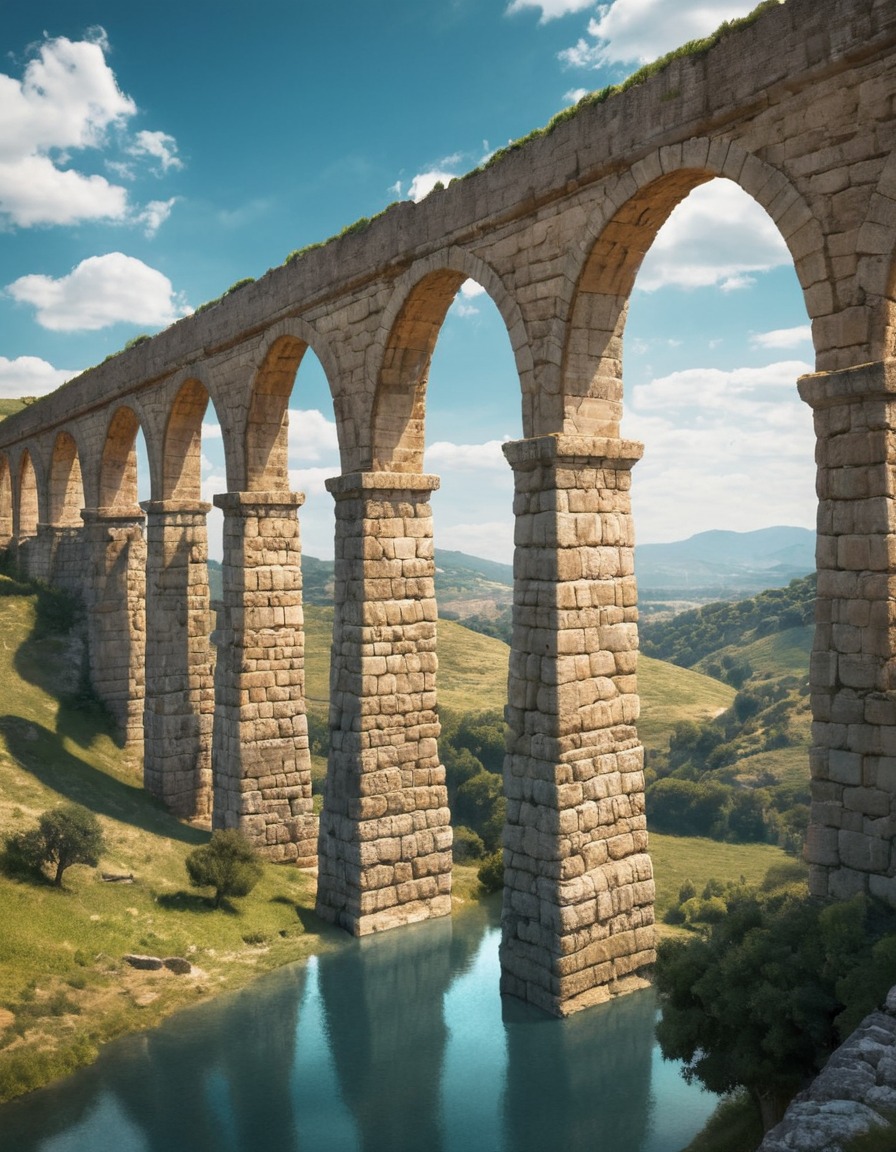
(5,502)
(29,498)
(182,443)
(589,399)
(267,425)
(877,265)
(118,465)
(66,488)
(410,329)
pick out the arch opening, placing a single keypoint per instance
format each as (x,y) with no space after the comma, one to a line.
(6,517)
(119,471)
(182,445)
(66,489)
(435,376)
(29,513)
(723,507)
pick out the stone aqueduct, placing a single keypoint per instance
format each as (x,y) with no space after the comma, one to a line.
(799,109)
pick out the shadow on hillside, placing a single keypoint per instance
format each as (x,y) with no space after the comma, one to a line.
(181,900)
(40,752)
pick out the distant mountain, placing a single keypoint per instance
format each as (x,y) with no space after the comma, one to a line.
(724,564)
(717,565)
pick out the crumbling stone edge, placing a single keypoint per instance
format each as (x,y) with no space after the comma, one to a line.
(854,1092)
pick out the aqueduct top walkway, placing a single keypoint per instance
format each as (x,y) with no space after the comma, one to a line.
(799,109)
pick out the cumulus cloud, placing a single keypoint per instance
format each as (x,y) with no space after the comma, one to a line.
(160,146)
(68,101)
(30,376)
(424,182)
(461,305)
(722,448)
(637,31)
(717,236)
(783,337)
(550,9)
(100,291)
(312,438)
(444,454)
(154,215)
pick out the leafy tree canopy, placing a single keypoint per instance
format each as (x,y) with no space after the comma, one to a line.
(64,836)
(228,863)
(762,998)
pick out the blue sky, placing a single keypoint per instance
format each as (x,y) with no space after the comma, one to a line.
(150,157)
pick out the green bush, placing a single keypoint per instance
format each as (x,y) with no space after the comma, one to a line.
(64,836)
(467,845)
(228,863)
(762,998)
(491,872)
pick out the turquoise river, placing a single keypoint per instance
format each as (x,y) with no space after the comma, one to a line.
(395,1043)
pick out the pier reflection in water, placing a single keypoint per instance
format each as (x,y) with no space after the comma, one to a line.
(395,1043)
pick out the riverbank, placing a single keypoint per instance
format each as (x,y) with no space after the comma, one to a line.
(75,991)
(64,988)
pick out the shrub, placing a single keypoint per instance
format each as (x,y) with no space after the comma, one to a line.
(228,863)
(467,844)
(64,836)
(491,872)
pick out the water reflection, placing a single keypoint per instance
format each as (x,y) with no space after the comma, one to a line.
(397,1043)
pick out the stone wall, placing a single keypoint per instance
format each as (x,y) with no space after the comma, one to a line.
(854,1093)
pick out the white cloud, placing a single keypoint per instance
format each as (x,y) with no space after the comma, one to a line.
(158,145)
(34,191)
(312,481)
(312,437)
(443,454)
(714,390)
(154,215)
(722,448)
(736,282)
(30,376)
(211,430)
(68,101)
(100,291)
(716,236)
(550,9)
(637,31)
(783,337)
(424,182)
(468,291)
(574,95)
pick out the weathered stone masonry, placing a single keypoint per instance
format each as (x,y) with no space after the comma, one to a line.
(799,109)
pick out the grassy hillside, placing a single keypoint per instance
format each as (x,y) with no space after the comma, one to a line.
(472,677)
(744,774)
(9,407)
(64,989)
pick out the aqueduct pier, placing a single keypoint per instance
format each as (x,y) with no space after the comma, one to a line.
(799,109)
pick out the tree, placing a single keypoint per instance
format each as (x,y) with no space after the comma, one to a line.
(756,1002)
(228,863)
(64,836)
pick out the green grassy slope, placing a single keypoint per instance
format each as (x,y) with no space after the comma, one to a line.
(9,407)
(64,989)
(781,654)
(472,677)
